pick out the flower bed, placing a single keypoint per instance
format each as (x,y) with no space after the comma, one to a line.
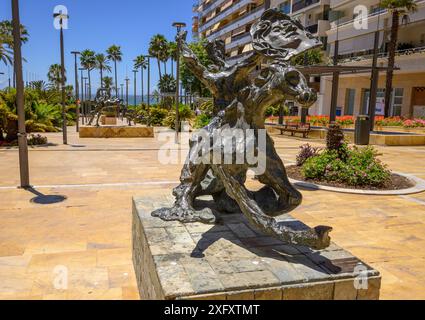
(348,121)
(345,167)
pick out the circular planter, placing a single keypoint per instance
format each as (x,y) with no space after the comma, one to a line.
(419,186)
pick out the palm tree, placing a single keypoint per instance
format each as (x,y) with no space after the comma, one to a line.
(142,63)
(88,61)
(107,82)
(115,55)
(157,48)
(172,54)
(396,8)
(102,63)
(6,54)
(6,37)
(167,84)
(55,76)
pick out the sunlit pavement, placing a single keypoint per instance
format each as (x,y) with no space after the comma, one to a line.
(88,236)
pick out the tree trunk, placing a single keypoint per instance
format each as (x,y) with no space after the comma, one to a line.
(116,78)
(391,60)
(141,81)
(172,68)
(101,77)
(89,84)
(159,68)
(165,67)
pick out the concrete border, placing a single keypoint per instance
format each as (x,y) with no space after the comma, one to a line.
(417,188)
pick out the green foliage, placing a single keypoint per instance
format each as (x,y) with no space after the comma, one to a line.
(335,140)
(360,168)
(167,84)
(306,153)
(311,57)
(36,139)
(399,5)
(202,121)
(185,114)
(189,81)
(157,116)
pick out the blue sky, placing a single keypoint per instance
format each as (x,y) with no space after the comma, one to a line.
(95,24)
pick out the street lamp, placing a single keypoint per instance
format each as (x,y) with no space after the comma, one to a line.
(22,134)
(77,89)
(149,80)
(135,87)
(61,16)
(178,26)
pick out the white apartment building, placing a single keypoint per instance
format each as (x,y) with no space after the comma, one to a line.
(230,21)
(330,20)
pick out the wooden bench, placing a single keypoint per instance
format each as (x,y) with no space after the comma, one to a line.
(293,128)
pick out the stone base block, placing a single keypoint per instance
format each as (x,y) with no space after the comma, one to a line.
(116,132)
(232,261)
(110,121)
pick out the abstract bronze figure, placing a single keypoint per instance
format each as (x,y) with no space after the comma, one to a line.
(240,99)
(103,101)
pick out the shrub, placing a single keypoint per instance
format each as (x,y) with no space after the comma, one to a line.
(360,168)
(202,121)
(305,153)
(185,114)
(36,139)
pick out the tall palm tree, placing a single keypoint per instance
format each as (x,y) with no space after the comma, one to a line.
(142,63)
(102,63)
(114,54)
(172,54)
(396,8)
(88,61)
(157,48)
(55,75)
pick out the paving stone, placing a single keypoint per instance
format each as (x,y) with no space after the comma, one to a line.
(316,291)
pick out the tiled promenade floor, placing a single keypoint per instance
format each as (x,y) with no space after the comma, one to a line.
(89,234)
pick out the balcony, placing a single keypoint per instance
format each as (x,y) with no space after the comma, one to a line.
(211,6)
(225,13)
(239,22)
(239,40)
(312,28)
(297,6)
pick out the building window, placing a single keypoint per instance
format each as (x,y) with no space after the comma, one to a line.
(285,7)
(349,101)
(397,102)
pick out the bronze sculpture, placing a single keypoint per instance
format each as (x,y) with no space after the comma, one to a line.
(103,100)
(240,99)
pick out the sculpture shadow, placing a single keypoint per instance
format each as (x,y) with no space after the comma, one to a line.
(259,244)
(44,199)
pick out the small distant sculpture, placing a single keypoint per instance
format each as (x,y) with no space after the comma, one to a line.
(241,95)
(103,101)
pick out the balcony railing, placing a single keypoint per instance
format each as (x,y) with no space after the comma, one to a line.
(369,54)
(347,20)
(303,4)
(239,40)
(241,21)
(313,28)
(225,13)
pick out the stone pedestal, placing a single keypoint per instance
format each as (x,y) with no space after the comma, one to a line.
(233,261)
(116,132)
(110,121)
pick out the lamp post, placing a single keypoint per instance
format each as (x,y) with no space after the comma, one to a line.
(127,80)
(135,86)
(149,80)
(86,90)
(61,16)
(77,93)
(178,26)
(82,91)
(20,102)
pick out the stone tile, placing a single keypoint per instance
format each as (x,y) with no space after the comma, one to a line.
(372,292)
(316,291)
(345,290)
(241,230)
(268,294)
